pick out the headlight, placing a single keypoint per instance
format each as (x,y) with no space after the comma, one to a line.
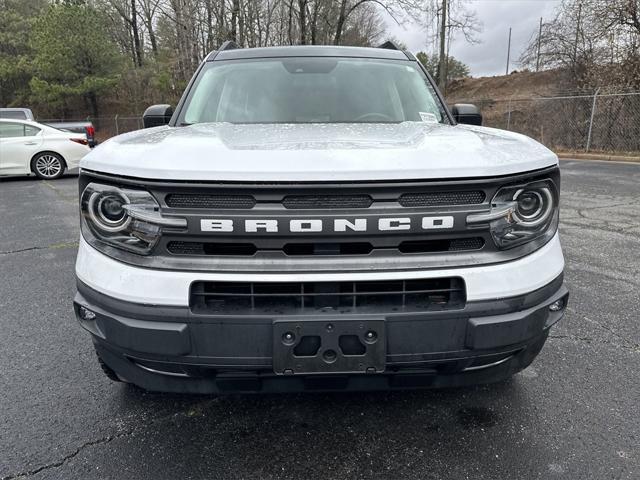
(522,213)
(123,218)
(106,210)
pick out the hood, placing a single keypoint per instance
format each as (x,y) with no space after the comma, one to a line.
(318,152)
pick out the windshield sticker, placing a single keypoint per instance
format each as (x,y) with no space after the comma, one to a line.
(428,117)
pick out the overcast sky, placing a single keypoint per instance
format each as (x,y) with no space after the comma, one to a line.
(490,56)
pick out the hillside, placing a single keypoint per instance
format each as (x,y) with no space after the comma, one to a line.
(525,102)
(515,85)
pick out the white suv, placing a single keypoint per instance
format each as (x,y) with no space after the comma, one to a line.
(315,218)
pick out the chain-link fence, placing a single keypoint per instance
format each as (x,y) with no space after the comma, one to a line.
(582,123)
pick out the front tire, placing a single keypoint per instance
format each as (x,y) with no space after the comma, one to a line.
(48,166)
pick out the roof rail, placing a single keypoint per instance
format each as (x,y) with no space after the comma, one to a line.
(389,45)
(229,45)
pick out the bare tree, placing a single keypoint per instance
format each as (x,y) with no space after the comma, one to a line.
(596,41)
(149,9)
(186,30)
(442,68)
(128,11)
(444,21)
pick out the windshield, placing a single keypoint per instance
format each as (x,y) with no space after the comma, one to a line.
(312,90)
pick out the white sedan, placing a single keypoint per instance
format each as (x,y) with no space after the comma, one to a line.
(29,147)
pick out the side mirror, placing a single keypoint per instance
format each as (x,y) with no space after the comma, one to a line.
(157,115)
(466,113)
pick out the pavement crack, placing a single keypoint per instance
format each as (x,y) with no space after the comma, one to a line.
(66,458)
(599,207)
(68,244)
(602,226)
(627,280)
(582,214)
(572,337)
(627,346)
(20,250)
(624,342)
(103,441)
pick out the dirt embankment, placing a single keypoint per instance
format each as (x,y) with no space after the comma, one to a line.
(513,86)
(543,106)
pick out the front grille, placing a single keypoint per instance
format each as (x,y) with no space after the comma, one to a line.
(325,248)
(295,298)
(300,227)
(279,227)
(180,200)
(326,201)
(323,202)
(432,199)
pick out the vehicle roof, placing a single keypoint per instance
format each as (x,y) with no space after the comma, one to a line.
(15,109)
(307,51)
(19,120)
(41,126)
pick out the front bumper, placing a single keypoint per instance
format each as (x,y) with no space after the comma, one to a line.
(171,288)
(168,348)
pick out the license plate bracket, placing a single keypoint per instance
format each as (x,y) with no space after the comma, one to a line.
(329,346)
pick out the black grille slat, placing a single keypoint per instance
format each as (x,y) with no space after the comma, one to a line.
(434,199)
(442,245)
(211,248)
(314,202)
(184,200)
(462,244)
(339,297)
(186,248)
(323,249)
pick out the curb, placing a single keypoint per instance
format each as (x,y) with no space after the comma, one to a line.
(594,156)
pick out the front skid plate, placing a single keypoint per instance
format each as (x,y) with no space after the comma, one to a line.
(329,345)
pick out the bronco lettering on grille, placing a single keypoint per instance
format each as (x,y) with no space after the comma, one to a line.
(384,224)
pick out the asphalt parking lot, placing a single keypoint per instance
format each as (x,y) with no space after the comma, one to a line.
(575,413)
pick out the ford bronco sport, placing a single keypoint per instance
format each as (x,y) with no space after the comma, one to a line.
(316,218)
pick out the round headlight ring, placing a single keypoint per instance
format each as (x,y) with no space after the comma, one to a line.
(110,209)
(99,203)
(541,214)
(536,207)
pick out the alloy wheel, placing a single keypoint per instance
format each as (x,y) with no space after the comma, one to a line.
(48,166)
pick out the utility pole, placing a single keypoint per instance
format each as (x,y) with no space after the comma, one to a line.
(575,46)
(442,70)
(539,42)
(508,52)
(593,112)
